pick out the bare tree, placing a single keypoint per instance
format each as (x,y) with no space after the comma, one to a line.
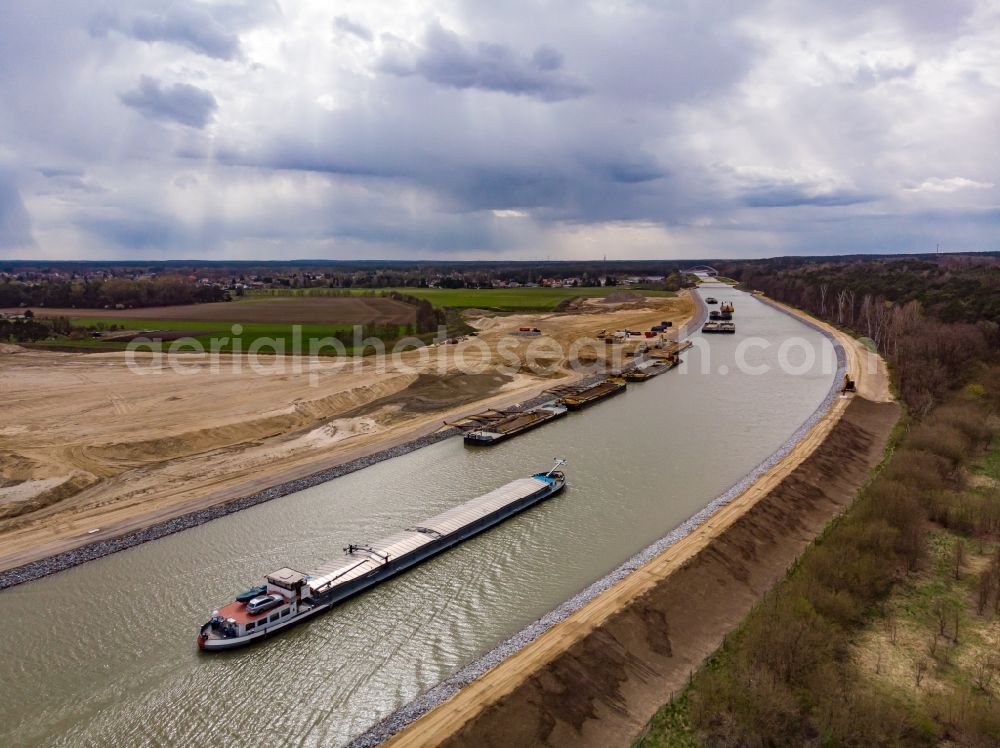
(881,314)
(984,670)
(891,624)
(841,301)
(958,558)
(823,288)
(941,610)
(866,314)
(904,321)
(984,590)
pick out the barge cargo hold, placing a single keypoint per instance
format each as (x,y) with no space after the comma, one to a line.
(365,565)
(514,424)
(642,373)
(590,395)
(719,327)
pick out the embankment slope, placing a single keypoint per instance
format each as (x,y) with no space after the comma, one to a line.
(604,687)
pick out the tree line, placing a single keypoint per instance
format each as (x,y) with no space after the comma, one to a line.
(31,328)
(163,290)
(952,288)
(879,300)
(787,676)
(428,319)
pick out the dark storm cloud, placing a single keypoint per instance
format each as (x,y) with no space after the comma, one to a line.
(181,102)
(547,58)
(15,224)
(293,155)
(140,230)
(449,60)
(69,179)
(53,172)
(633,172)
(563,184)
(345,24)
(788,197)
(513,127)
(190,25)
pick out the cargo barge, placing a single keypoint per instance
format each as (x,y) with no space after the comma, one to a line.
(514,423)
(719,327)
(291,597)
(642,373)
(582,398)
(723,313)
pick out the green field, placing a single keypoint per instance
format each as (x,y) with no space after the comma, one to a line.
(218,320)
(498,299)
(203,333)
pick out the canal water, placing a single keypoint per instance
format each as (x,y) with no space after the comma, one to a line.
(105,653)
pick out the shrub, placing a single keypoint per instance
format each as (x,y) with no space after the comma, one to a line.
(943,440)
(918,468)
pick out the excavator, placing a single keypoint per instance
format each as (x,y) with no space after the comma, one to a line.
(848,385)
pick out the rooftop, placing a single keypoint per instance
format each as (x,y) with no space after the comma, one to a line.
(287,578)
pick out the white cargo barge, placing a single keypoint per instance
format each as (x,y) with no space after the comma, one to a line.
(290,597)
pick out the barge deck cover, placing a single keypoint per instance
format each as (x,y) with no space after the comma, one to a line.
(368,558)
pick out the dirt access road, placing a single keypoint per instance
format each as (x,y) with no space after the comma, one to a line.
(87,444)
(597,677)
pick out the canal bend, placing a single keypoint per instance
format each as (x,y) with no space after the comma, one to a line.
(105,652)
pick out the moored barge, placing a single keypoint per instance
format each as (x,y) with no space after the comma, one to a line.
(654,369)
(719,327)
(292,596)
(589,395)
(514,424)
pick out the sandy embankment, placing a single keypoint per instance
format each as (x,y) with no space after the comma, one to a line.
(598,676)
(86,444)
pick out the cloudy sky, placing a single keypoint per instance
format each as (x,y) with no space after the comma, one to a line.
(292,128)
